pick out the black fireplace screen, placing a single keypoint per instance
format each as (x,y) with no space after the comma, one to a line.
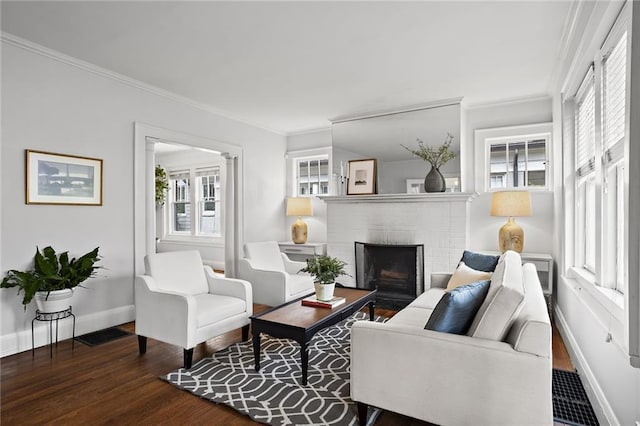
(396,271)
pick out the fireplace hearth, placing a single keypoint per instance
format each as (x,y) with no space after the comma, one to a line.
(395,271)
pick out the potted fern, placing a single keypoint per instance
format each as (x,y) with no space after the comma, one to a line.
(52,279)
(325,269)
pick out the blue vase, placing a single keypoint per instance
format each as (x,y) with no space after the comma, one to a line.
(434,182)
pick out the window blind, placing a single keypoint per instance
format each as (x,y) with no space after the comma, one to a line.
(585,126)
(614,102)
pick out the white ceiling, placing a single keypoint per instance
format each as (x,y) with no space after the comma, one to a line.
(292,66)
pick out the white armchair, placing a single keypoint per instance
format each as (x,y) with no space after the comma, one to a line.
(182,302)
(273,276)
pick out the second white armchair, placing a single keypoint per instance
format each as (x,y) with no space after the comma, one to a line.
(273,276)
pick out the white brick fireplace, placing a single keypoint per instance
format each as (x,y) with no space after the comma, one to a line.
(439,221)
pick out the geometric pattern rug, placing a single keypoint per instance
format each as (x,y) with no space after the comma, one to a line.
(274,394)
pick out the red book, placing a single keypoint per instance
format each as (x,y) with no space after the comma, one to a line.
(328,304)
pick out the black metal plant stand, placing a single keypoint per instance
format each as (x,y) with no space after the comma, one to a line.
(51,317)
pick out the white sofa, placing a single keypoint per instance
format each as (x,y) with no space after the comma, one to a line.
(497,374)
(273,276)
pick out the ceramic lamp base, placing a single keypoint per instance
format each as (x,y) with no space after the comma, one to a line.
(299,232)
(511,236)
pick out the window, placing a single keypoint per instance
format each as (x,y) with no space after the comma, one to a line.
(312,176)
(514,157)
(600,136)
(205,218)
(518,164)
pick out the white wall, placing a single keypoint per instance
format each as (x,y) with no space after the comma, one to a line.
(584,317)
(54,106)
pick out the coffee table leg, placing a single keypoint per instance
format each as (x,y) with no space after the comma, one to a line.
(304,357)
(256,350)
(372,305)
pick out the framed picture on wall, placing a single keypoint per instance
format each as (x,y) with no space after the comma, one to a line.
(63,179)
(362,177)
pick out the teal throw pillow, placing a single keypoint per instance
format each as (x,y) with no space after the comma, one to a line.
(479,261)
(456,309)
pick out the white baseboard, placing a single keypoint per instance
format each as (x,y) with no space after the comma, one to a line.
(21,341)
(598,400)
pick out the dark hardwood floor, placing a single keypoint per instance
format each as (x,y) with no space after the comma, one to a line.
(112,384)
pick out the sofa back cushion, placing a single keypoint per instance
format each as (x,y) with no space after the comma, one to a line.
(503,302)
(531,331)
(457,308)
(265,255)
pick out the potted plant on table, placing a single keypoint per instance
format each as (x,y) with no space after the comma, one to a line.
(434,181)
(325,269)
(52,278)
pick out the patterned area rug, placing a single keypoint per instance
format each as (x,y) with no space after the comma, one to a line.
(274,394)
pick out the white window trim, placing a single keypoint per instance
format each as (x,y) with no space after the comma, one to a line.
(292,157)
(185,237)
(485,137)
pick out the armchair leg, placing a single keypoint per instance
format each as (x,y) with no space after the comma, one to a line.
(245,333)
(362,413)
(188,358)
(142,344)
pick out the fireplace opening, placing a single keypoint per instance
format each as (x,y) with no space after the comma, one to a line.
(396,271)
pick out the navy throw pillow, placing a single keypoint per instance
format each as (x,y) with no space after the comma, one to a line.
(454,313)
(479,261)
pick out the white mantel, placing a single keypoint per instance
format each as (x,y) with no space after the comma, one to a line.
(402,198)
(440,221)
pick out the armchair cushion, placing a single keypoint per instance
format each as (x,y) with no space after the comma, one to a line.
(212,308)
(479,261)
(466,275)
(178,271)
(457,308)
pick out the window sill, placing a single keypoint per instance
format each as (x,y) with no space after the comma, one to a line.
(611,300)
(193,241)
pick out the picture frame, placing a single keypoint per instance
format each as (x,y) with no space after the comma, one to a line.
(415,186)
(53,178)
(362,178)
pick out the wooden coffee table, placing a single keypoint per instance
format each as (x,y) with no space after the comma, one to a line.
(297,322)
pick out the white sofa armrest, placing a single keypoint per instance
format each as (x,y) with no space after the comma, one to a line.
(447,378)
(163,315)
(440,279)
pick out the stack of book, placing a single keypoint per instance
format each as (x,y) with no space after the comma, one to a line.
(313,301)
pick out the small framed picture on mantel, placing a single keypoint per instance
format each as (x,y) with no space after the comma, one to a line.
(362,177)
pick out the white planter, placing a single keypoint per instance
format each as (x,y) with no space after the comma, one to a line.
(58,300)
(324,291)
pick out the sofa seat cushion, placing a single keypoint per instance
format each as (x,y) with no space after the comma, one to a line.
(503,302)
(457,308)
(212,308)
(465,275)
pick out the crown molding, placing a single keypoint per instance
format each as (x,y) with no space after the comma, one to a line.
(32,47)
(407,108)
(510,101)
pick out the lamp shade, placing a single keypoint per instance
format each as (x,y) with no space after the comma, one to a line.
(511,204)
(299,206)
